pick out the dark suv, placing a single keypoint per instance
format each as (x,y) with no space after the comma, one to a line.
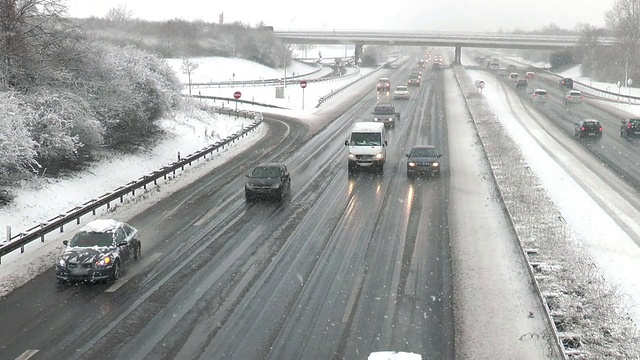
(268,181)
(423,159)
(630,127)
(522,84)
(589,129)
(566,83)
(386,113)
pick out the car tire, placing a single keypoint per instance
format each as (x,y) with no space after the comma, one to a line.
(115,273)
(410,175)
(137,252)
(380,169)
(248,197)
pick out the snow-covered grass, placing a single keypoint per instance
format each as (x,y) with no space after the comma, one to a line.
(585,304)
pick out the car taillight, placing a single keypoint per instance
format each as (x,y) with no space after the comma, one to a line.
(583,128)
(629,126)
(581,97)
(569,97)
(600,129)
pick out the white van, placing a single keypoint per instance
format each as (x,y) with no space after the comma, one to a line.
(367,146)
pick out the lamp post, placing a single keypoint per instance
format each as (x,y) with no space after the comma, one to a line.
(629,82)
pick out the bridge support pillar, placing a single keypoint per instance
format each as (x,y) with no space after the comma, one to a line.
(458,55)
(358,53)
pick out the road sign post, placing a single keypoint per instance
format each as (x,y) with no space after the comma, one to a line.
(303,84)
(237,95)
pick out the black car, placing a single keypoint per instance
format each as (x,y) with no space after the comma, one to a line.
(98,251)
(566,83)
(386,113)
(522,84)
(630,127)
(423,159)
(269,181)
(588,129)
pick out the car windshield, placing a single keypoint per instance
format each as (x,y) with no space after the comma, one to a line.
(91,239)
(401,88)
(423,152)
(266,172)
(365,139)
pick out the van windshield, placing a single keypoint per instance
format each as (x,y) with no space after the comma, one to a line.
(365,139)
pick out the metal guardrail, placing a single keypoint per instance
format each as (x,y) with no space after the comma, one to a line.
(324,98)
(229,100)
(253,83)
(18,241)
(270,82)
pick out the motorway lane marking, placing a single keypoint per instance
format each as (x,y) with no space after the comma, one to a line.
(352,298)
(27,354)
(123,280)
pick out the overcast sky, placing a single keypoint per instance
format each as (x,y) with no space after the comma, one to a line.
(453,15)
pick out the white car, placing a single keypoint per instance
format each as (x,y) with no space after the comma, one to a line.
(539,96)
(401,92)
(573,97)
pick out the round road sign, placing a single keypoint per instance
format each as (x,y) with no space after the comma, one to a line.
(237,95)
(303,84)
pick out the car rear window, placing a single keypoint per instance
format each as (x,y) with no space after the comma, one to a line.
(540,92)
(634,121)
(591,124)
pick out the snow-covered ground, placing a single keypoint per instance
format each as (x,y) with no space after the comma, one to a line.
(190,132)
(186,132)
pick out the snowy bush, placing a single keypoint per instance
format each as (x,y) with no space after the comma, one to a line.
(62,126)
(128,90)
(17,148)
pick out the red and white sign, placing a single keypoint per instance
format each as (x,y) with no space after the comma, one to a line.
(237,95)
(303,84)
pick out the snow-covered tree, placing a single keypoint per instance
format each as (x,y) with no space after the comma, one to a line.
(17,149)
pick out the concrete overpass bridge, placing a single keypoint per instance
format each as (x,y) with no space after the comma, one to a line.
(446,39)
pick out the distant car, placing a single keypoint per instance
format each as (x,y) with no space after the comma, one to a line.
(511,68)
(630,127)
(539,96)
(530,75)
(493,65)
(436,65)
(384,84)
(423,159)
(502,72)
(572,97)
(414,78)
(401,92)
(97,252)
(268,181)
(386,113)
(522,84)
(565,83)
(514,77)
(589,128)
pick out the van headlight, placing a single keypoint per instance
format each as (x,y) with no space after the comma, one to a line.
(411,164)
(352,156)
(379,156)
(435,164)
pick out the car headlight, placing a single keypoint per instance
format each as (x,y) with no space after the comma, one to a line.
(435,164)
(352,156)
(411,164)
(62,263)
(379,156)
(390,119)
(275,186)
(105,261)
